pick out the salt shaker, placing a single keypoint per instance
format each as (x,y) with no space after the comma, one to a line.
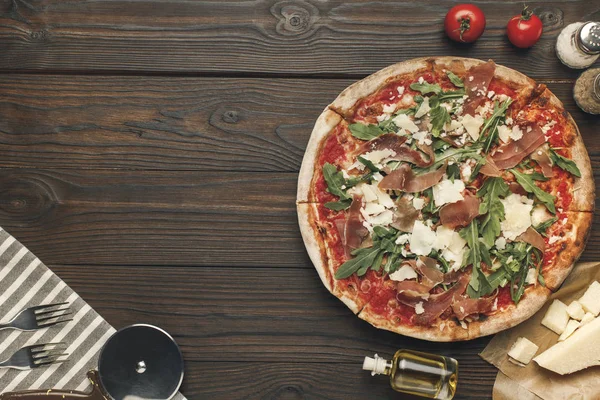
(587,91)
(578,44)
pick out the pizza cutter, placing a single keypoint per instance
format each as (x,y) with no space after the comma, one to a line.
(139,362)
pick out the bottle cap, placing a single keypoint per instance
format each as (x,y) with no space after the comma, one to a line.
(376,365)
(587,38)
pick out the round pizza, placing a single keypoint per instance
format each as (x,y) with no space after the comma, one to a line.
(445,198)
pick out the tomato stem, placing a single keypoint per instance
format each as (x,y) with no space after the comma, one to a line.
(465,25)
(526,13)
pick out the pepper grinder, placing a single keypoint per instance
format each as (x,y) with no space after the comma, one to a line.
(587,91)
(578,44)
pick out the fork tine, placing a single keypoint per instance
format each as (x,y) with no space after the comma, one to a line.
(36,348)
(47,353)
(49,360)
(45,312)
(47,316)
(44,306)
(52,323)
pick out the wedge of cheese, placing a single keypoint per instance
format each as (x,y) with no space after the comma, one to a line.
(523,350)
(571,327)
(590,300)
(575,310)
(581,350)
(556,317)
(587,318)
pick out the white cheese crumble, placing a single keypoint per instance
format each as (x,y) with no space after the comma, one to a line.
(422,239)
(400,90)
(448,192)
(453,246)
(424,108)
(419,308)
(531,276)
(422,138)
(404,238)
(421,80)
(539,215)
(548,126)
(403,273)
(376,156)
(389,108)
(472,125)
(518,216)
(403,121)
(500,243)
(418,203)
(554,239)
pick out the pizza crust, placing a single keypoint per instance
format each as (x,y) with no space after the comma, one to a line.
(325,123)
(533,299)
(584,196)
(576,240)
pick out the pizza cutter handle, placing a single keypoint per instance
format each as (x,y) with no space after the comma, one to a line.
(95,394)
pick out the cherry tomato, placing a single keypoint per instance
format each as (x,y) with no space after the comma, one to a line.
(464,23)
(524,30)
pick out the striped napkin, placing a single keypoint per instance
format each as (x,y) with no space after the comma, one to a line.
(25,281)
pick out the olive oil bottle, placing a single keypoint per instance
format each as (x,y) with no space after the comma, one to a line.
(421,374)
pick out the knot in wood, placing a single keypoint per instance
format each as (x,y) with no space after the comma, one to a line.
(295,18)
(25,197)
(551,17)
(39,36)
(231,117)
(289,392)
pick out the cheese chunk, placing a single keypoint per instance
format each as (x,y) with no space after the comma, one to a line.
(424,108)
(472,125)
(448,192)
(581,350)
(571,327)
(523,350)
(518,216)
(403,273)
(556,317)
(590,301)
(403,121)
(419,309)
(575,310)
(540,214)
(422,239)
(588,317)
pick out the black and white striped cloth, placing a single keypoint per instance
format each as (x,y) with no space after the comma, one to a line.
(25,281)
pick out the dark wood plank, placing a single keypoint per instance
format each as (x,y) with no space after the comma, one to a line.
(162,217)
(175,123)
(183,218)
(266,36)
(232,322)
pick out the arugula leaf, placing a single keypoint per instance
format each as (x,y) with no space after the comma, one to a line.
(353,181)
(536,176)
(365,132)
(477,168)
(453,94)
(526,182)
(451,154)
(489,130)
(476,254)
(453,172)
(426,88)
(492,208)
(564,163)
(438,117)
(456,81)
(364,258)
(335,180)
(430,207)
(338,205)
(368,164)
(543,226)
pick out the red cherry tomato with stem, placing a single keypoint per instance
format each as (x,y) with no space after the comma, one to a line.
(464,23)
(524,30)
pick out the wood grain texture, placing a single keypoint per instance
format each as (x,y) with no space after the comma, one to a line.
(264,36)
(260,333)
(162,217)
(209,124)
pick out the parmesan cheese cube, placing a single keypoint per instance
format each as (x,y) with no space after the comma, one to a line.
(581,350)
(571,326)
(556,317)
(575,310)
(588,317)
(590,301)
(403,273)
(523,350)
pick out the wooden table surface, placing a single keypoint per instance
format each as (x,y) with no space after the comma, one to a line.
(149,152)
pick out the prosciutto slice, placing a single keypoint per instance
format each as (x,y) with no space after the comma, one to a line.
(509,155)
(477,87)
(541,156)
(532,237)
(423,158)
(438,303)
(465,306)
(426,267)
(490,168)
(405,215)
(354,231)
(405,180)
(460,213)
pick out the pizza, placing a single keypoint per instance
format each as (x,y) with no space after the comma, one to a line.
(445,198)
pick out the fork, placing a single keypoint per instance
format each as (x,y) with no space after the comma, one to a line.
(36,356)
(38,317)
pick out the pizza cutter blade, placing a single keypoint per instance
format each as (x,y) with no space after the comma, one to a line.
(138,362)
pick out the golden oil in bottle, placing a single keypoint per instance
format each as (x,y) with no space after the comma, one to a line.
(417,373)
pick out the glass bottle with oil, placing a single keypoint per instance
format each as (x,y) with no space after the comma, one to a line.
(417,373)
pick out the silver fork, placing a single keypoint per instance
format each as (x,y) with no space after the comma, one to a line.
(38,317)
(36,356)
